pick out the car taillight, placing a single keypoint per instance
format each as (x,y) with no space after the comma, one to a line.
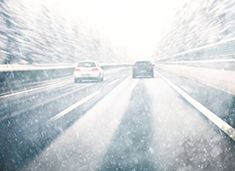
(150,66)
(77,69)
(134,67)
(94,69)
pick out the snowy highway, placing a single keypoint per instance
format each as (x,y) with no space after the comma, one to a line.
(118,124)
(180,118)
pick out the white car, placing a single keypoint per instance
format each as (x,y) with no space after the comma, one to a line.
(88,70)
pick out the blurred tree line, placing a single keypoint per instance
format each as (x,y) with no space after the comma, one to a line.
(28,37)
(198,23)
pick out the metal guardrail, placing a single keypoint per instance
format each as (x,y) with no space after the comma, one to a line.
(9,74)
(217,51)
(17,67)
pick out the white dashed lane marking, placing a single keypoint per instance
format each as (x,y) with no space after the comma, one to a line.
(113,82)
(69,109)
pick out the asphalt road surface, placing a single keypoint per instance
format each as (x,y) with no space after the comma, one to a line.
(118,124)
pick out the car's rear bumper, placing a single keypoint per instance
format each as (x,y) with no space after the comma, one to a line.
(87,78)
(142,73)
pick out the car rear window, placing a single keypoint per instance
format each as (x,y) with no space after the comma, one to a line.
(86,64)
(143,63)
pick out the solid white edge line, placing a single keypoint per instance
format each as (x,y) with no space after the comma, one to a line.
(26,91)
(64,112)
(230,131)
(113,82)
(37,105)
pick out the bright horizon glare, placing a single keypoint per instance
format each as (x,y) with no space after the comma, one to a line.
(135,25)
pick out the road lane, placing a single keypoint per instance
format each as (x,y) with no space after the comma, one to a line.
(27,100)
(35,88)
(82,146)
(69,109)
(26,132)
(113,82)
(229,130)
(32,88)
(22,106)
(130,147)
(183,139)
(18,88)
(154,129)
(219,102)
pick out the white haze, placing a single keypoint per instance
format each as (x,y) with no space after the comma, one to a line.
(135,25)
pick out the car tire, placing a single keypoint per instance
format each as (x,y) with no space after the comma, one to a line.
(99,79)
(133,76)
(152,75)
(75,81)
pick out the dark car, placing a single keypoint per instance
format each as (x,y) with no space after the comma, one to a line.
(143,68)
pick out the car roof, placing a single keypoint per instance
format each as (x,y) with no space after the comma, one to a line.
(143,61)
(88,61)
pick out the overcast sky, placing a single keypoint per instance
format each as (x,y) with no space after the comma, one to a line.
(135,25)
